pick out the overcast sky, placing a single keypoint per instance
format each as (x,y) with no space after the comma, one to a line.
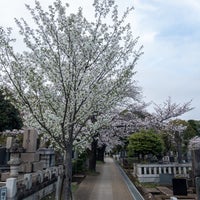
(170,33)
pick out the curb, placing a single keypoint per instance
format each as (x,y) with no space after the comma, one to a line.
(133,190)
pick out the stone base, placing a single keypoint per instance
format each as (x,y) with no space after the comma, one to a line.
(29,157)
(26,168)
(4,176)
(38,166)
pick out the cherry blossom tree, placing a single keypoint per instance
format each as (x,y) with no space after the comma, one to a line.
(72,70)
(162,115)
(135,118)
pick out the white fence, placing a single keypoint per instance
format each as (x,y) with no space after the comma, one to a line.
(151,172)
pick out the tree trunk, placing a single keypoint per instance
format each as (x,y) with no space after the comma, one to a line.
(92,155)
(66,186)
(100,153)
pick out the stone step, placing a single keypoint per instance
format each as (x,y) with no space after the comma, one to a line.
(165,190)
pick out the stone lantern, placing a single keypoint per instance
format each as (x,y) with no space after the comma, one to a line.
(14,162)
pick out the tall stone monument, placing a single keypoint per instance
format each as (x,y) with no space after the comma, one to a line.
(30,145)
(194,146)
(30,140)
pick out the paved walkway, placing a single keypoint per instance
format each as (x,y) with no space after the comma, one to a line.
(108,185)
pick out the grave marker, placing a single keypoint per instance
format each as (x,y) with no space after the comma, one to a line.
(179,186)
(9,142)
(166,179)
(3,191)
(30,140)
(3,156)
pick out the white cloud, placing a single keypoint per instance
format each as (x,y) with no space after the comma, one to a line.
(170,33)
(148,37)
(193,4)
(145,6)
(170,64)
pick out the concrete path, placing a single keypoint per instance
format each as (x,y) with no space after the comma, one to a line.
(108,185)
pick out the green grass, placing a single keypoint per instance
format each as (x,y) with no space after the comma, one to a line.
(74,187)
(92,173)
(149,185)
(99,162)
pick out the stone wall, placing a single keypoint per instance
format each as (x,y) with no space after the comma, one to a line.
(35,185)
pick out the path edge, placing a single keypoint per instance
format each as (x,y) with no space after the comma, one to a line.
(131,187)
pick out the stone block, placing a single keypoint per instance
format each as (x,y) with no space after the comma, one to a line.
(28,181)
(26,167)
(9,142)
(3,193)
(30,157)
(38,166)
(173,198)
(197,180)
(11,185)
(4,176)
(196,162)
(166,179)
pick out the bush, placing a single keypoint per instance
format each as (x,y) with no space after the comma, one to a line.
(145,142)
(78,166)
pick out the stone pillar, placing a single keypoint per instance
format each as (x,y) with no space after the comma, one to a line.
(184,171)
(196,169)
(139,170)
(179,170)
(170,170)
(11,185)
(174,170)
(155,170)
(196,162)
(58,187)
(145,170)
(59,182)
(197,180)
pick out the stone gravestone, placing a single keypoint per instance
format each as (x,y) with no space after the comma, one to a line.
(30,144)
(47,156)
(3,191)
(196,170)
(9,142)
(171,159)
(30,140)
(166,179)
(179,186)
(165,159)
(3,156)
